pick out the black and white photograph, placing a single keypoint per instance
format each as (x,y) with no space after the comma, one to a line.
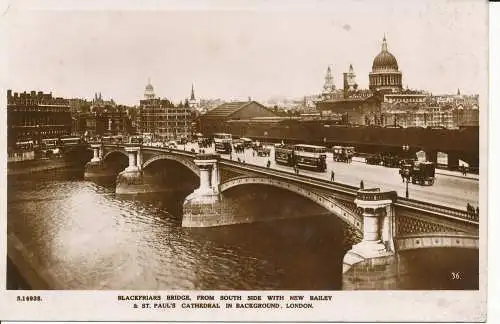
(245,158)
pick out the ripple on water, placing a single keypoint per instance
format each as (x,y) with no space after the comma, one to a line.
(92,239)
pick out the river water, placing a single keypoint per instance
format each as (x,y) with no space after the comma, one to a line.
(91,238)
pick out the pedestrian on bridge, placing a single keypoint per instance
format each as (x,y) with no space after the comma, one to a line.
(361,185)
(470,209)
(268,164)
(333,176)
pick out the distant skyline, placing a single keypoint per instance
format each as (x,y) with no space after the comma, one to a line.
(245,51)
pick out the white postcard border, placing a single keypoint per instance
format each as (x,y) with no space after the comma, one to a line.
(346,306)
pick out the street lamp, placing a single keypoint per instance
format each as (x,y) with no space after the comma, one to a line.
(406,169)
(407,179)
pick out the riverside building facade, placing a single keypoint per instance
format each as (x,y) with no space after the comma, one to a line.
(34,116)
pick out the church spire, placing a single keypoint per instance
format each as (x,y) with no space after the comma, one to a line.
(192,92)
(384,44)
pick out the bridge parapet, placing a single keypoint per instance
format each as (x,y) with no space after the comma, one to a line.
(434,240)
(375,194)
(207,156)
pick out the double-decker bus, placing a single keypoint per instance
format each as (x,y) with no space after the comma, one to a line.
(343,153)
(222,143)
(283,154)
(71,140)
(49,143)
(310,157)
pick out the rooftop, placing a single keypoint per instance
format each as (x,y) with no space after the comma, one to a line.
(227,109)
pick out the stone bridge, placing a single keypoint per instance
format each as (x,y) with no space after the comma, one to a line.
(386,223)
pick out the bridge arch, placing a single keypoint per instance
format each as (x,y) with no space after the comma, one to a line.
(319,198)
(170,157)
(113,152)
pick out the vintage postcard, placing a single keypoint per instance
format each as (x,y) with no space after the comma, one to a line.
(244,161)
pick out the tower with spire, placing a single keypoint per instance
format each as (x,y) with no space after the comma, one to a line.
(193,103)
(329,86)
(350,80)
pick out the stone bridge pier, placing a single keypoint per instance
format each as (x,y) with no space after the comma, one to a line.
(373,263)
(131,180)
(204,207)
(96,168)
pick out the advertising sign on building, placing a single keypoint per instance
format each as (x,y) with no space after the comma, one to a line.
(442,158)
(421,156)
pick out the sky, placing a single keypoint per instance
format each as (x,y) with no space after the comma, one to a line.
(239,49)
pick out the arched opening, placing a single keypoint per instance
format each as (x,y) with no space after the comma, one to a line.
(170,182)
(297,233)
(115,161)
(171,175)
(78,155)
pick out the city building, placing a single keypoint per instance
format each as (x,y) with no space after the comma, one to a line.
(160,120)
(385,75)
(104,121)
(34,116)
(100,118)
(407,96)
(386,103)
(215,120)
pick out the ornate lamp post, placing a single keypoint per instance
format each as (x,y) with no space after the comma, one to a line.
(406,174)
(406,170)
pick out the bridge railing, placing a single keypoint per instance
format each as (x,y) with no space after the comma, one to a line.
(349,190)
(365,194)
(346,189)
(438,209)
(375,194)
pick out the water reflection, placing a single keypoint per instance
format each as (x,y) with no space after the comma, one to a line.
(91,238)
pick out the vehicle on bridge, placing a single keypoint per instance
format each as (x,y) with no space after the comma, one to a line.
(49,146)
(422,173)
(343,153)
(74,140)
(390,160)
(247,142)
(263,151)
(135,139)
(204,142)
(222,143)
(116,139)
(283,154)
(25,145)
(238,145)
(181,141)
(310,157)
(374,159)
